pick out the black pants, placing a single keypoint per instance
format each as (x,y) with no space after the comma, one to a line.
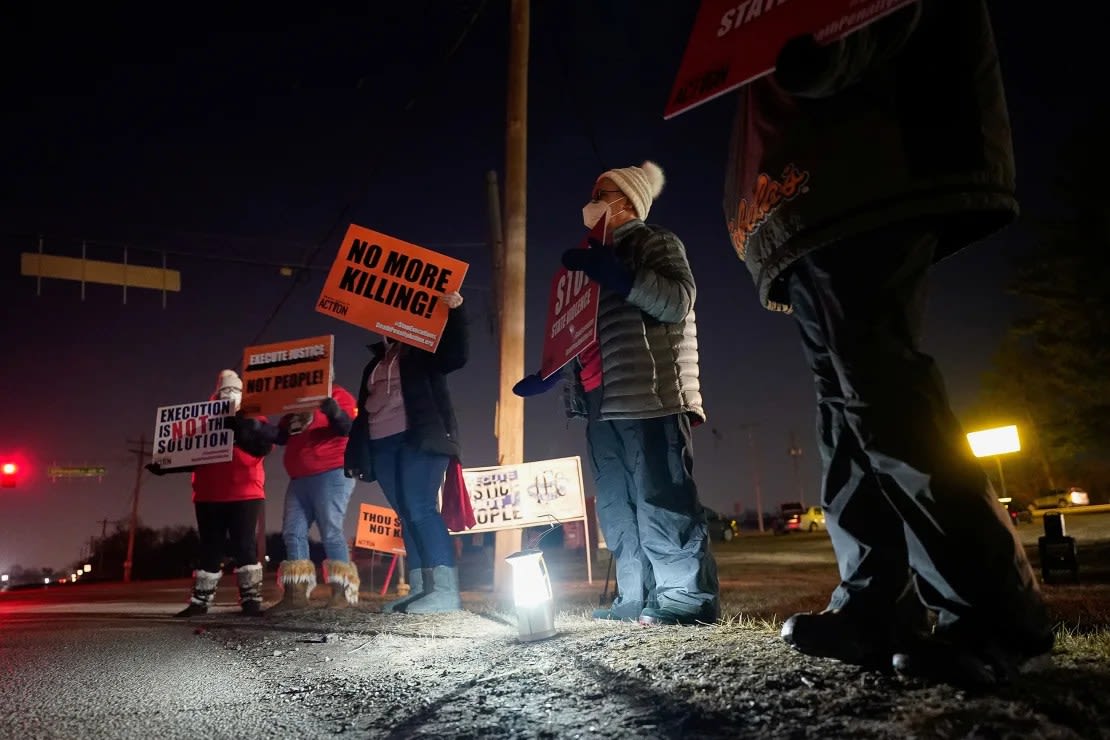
(905,500)
(228,529)
(648,509)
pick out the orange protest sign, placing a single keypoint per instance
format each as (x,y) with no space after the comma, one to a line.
(379,529)
(390,287)
(287,376)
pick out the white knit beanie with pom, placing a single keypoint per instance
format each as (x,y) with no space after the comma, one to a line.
(641,184)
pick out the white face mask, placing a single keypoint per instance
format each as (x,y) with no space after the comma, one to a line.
(593,212)
(234,394)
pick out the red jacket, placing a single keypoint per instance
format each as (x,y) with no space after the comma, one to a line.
(318,449)
(243,478)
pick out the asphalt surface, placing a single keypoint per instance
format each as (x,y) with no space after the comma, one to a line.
(109,661)
(126,677)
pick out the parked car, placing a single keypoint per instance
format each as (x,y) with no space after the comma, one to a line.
(1061,498)
(813,519)
(790,518)
(721,528)
(1016,513)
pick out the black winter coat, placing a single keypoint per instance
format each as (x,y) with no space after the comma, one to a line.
(903,120)
(429,413)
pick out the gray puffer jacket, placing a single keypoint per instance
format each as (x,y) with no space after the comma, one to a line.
(649,340)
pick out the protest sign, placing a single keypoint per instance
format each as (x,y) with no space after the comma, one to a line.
(525,495)
(529,494)
(571,313)
(736,41)
(379,529)
(390,287)
(286,377)
(193,434)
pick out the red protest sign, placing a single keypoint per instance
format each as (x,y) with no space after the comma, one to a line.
(736,41)
(571,314)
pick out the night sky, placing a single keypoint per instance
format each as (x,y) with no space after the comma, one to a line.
(238,141)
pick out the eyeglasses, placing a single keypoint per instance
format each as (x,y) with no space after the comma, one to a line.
(598,193)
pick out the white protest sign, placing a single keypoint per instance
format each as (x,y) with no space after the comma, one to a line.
(530,494)
(193,434)
(526,495)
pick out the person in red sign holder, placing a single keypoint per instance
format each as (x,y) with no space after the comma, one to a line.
(855,167)
(405,438)
(318,492)
(228,498)
(637,386)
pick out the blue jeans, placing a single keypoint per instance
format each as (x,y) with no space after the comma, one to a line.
(320,498)
(410,480)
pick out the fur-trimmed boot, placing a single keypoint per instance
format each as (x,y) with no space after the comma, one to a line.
(416,583)
(297,579)
(344,581)
(443,596)
(250,588)
(204,593)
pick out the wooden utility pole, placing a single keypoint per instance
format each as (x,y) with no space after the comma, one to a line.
(510,283)
(100,552)
(141,454)
(755,474)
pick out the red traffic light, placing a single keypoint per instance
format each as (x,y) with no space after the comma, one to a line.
(9,468)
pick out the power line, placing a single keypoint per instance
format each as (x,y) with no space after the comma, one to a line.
(300,274)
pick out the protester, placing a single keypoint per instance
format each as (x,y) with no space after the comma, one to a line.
(318,492)
(638,389)
(228,498)
(404,438)
(855,167)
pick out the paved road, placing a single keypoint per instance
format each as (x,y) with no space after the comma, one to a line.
(119,677)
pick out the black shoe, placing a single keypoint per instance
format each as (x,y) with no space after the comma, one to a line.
(981,663)
(193,610)
(832,634)
(657,616)
(252,608)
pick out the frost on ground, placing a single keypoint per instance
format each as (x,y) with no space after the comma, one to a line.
(361,673)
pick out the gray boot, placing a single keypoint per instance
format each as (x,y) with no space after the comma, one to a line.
(443,596)
(250,588)
(204,593)
(416,584)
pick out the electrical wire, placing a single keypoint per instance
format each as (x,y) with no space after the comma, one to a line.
(300,275)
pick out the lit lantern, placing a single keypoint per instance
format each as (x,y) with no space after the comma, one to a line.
(535,608)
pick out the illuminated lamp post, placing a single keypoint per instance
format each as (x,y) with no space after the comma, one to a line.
(995,443)
(535,607)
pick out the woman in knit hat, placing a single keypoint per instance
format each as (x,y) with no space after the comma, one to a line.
(638,389)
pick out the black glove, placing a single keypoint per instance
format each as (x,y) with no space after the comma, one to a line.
(801,62)
(285,422)
(155,468)
(330,407)
(602,265)
(533,385)
(232,423)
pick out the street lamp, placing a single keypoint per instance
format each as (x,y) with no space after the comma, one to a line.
(994,443)
(535,607)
